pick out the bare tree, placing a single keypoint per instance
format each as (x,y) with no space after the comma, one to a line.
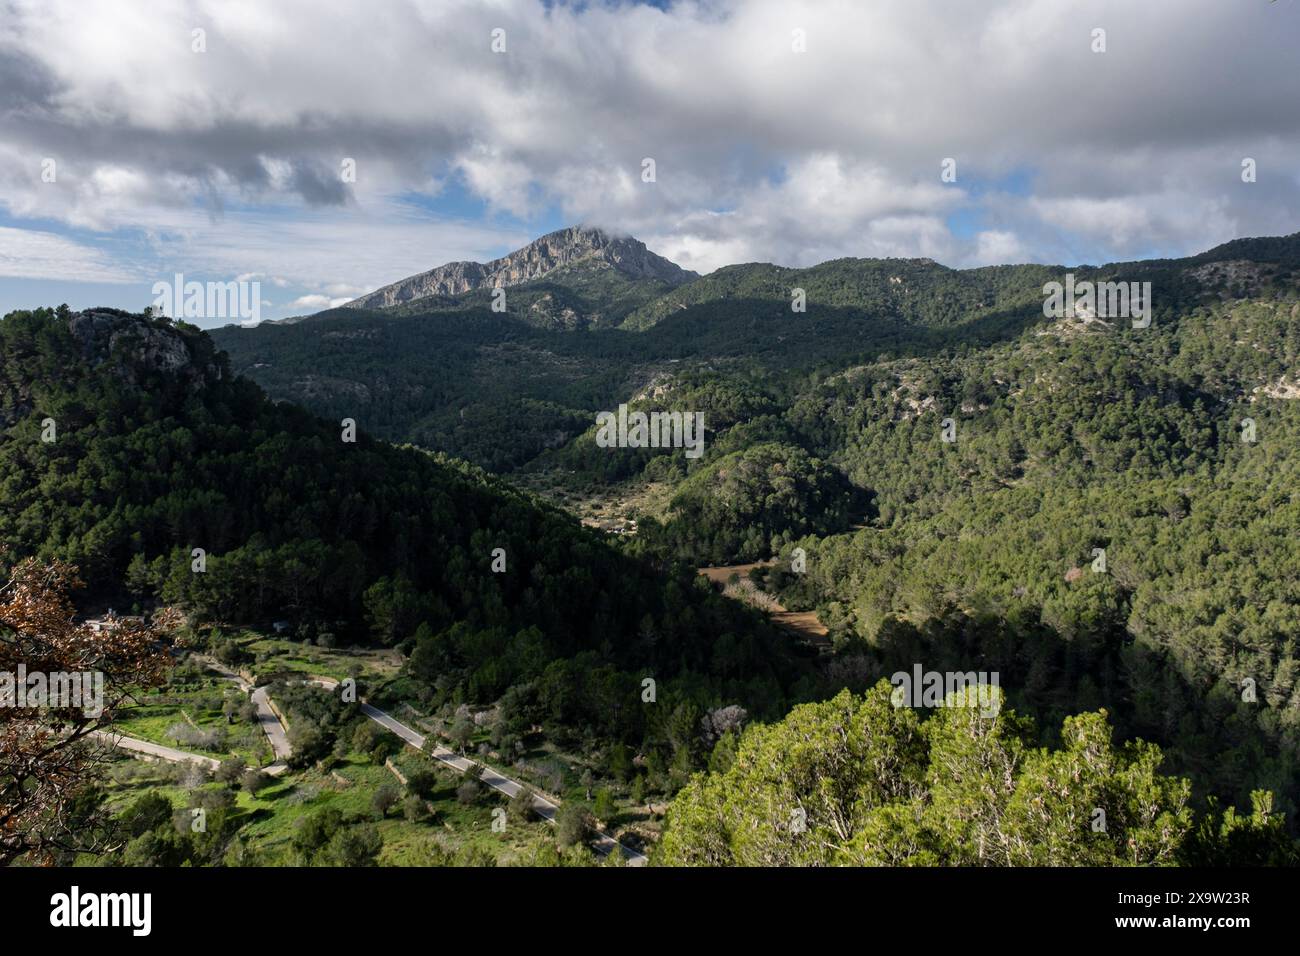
(722,720)
(47,764)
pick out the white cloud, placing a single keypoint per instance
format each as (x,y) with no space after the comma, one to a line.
(342,251)
(1132,223)
(999,247)
(231,158)
(278,281)
(316,302)
(31,254)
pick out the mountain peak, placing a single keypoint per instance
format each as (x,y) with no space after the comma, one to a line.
(571,247)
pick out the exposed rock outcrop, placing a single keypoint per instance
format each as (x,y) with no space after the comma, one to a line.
(137,346)
(566,248)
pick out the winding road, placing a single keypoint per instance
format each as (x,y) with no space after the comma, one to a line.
(267,718)
(547,809)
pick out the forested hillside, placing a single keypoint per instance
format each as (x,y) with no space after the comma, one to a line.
(500,389)
(1169,448)
(127,444)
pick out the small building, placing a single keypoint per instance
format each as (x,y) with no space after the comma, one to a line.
(111,621)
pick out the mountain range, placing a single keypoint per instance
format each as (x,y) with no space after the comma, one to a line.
(445,369)
(1166,447)
(939,473)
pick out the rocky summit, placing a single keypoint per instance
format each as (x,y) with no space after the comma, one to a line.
(136,347)
(576,247)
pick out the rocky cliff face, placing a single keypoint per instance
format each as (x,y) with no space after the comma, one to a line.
(149,354)
(136,346)
(573,247)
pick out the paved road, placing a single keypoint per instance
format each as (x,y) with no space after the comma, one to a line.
(544,808)
(275,733)
(267,718)
(271,725)
(155,750)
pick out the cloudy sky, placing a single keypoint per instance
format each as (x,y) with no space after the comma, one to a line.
(133,147)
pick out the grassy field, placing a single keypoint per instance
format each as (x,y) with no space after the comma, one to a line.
(133,778)
(194,705)
(363,664)
(452,827)
(566,775)
(267,822)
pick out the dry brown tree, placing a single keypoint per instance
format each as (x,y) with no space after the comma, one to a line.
(48,761)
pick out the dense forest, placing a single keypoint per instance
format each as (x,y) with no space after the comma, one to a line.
(859,781)
(1103,515)
(1105,530)
(1113,524)
(127,445)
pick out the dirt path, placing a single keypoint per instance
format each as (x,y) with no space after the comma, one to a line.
(155,750)
(804,623)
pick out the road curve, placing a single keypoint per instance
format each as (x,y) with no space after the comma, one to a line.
(276,733)
(544,808)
